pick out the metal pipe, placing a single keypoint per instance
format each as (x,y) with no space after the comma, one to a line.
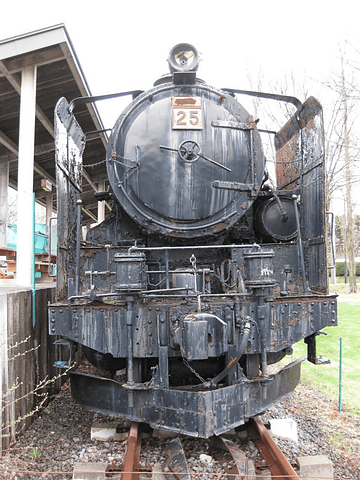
(194,247)
(252,159)
(78,238)
(269,96)
(203,295)
(262,321)
(51,274)
(96,98)
(33,263)
(299,244)
(332,236)
(130,353)
(167,269)
(283,214)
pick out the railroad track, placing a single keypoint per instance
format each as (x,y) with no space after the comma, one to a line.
(224,451)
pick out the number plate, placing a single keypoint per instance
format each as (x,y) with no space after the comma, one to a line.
(187,113)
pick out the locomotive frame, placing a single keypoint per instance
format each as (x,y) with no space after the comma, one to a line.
(193,307)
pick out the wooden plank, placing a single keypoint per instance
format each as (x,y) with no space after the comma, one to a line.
(9,253)
(44,257)
(39,267)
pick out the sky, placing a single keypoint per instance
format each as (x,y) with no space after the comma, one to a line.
(123,45)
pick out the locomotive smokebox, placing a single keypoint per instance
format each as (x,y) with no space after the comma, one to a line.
(184,159)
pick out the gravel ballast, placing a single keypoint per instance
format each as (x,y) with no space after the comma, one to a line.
(60,437)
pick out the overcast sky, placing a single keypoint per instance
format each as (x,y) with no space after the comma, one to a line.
(123,45)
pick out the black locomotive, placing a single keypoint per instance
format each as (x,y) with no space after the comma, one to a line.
(203,274)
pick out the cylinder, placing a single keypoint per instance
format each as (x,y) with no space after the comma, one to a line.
(259,268)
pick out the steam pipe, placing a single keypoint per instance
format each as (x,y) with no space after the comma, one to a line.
(78,237)
(299,244)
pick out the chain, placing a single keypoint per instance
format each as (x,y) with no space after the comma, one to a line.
(187,364)
(92,165)
(115,160)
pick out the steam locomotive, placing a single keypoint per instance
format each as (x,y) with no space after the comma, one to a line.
(204,274)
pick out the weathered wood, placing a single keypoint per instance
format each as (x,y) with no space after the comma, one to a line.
(27,354)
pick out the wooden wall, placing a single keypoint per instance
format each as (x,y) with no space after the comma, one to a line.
(27,355)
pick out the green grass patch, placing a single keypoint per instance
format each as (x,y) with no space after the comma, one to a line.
(341,287)
(325,378)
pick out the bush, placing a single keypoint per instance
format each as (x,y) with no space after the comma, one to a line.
(340,268)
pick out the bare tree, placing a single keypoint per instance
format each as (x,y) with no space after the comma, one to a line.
(40,215)
(342,153)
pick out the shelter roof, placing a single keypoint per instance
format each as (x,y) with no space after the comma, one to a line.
(59,74)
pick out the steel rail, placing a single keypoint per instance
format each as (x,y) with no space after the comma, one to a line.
(132,454)
(239,470)
(276,460)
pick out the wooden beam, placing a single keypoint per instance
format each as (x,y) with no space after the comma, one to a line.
(5,140)
(40,57)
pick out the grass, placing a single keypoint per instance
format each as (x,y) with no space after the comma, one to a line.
(343,288)
(325,377)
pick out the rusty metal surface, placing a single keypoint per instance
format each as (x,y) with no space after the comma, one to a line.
(132,455)
(194,287)
(300,164)
(276,460)
(196,413)
(239,470)
(176,460)
(69,147)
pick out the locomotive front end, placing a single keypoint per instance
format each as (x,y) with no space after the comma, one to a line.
(185,160)
(203,274)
